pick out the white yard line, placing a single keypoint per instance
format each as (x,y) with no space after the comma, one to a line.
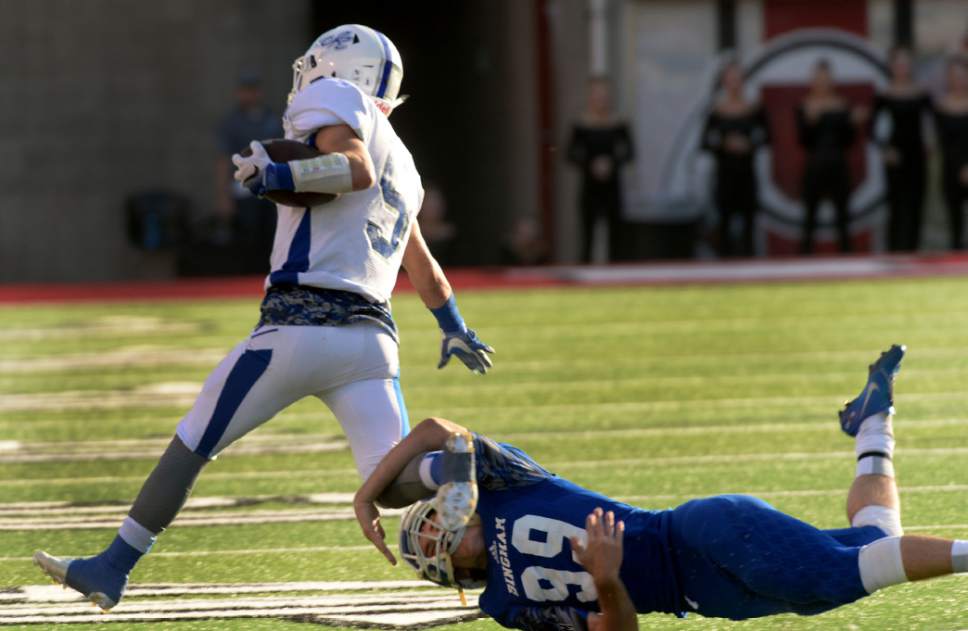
(256,443)
(103,327)
(61,451)
(183,394)
(121,358)
(393,604)
(686,460)
(217,511)
(929,528)
(214,475)
(242,552)
(731,458)
(305,447)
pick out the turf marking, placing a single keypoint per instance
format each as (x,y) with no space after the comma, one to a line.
(229,511)
(122,358)
(384,604)
(109,326)
(259,443)
(183,394)
(133,449)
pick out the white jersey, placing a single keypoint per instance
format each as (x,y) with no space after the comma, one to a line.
(355,242)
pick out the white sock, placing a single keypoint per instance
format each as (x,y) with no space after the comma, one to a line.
(885,518)
(426,475)
(136,535)
(959,556)
(875,446)
(881,565)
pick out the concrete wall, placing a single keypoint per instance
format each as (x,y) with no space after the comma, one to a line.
(104,97)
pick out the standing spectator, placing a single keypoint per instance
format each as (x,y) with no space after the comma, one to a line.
(735,129)
(600,145)
(525,244)
(951,120)
(243,218)
(825,127)
(896,126)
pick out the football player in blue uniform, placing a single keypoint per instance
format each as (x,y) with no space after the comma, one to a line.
(553,555)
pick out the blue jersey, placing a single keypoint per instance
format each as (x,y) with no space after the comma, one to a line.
(528,516)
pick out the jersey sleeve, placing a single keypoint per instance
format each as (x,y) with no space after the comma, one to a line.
(503,466)
(548,619)
(329,102)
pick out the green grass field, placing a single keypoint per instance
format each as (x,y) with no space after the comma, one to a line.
(651,395)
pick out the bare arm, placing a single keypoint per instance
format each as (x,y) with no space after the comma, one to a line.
(601,555)
(432,286)
(430,435)
(424,271)
(342,139)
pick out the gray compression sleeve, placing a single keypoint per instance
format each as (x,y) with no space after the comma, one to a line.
(406,488)
(167,487)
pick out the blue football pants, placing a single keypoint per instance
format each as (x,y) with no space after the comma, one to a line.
(738,557)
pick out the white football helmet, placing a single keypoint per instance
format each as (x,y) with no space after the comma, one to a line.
(354,53)
(437,568)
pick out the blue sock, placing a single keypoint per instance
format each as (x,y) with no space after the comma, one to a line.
(121,556)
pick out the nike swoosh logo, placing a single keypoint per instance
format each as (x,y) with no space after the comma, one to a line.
(692,603)
(871,389)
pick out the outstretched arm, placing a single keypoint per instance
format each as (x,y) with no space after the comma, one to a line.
(602,557)
(430,435)
(424,271)
(435,292)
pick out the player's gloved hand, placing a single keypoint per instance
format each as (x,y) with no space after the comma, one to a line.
(459,340)
(250,169)
(258,173)
(466,346)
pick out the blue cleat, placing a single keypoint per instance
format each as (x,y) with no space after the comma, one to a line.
(94,577)
(878,395)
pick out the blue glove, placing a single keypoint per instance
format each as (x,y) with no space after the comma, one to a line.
(459,340)
(470,350)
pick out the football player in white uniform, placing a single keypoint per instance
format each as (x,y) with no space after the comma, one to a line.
(325,328)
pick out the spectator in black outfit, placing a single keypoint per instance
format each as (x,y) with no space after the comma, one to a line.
(901,108)
(600,145)
(951,119)
(825,127)
(735,129)
(243,219)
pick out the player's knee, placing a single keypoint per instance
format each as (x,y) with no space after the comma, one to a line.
(887,519)
(735,507)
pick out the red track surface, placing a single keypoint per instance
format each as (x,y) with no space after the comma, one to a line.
(229,287)
(753,270)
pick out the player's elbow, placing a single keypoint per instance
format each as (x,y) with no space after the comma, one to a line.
(361,174)
(434,432)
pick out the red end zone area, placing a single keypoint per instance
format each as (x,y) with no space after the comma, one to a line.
(653,274)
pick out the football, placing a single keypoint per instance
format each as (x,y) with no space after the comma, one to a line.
(281,150)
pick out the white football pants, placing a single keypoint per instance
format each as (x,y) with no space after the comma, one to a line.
(352,369)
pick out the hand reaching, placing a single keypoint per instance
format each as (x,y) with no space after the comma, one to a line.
(601,554)
(468,348)
(368,517)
